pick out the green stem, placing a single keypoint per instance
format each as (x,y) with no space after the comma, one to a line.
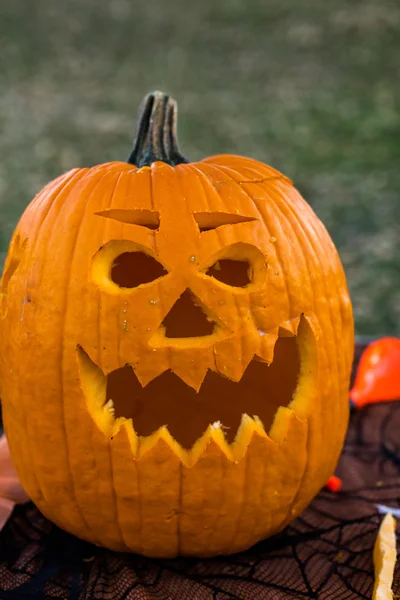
(156,137)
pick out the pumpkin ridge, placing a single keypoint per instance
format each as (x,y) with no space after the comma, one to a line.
(231,162)
(280,206)
(312,440)
(212,183)
(245,490)
(290,448)
(179,511)
(205,181)
(222,502)
(298,409)
(180,169)
(287,222)
(140,495)
(114,497)
(278,253)
(49,195)
(125,473)
(340,357)
(61,374)
(306,424)
(321,234)
(19,250)
(300,241)
(57,188)
(285,203)
(293,508)
(263,480)
(317,232)
(111,462)
(106,225)
(62,348)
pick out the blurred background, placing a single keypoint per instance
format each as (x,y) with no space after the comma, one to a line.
(310,87)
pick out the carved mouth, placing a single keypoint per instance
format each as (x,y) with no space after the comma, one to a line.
(167,401)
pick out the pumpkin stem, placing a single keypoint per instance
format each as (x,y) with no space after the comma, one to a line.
(156,137)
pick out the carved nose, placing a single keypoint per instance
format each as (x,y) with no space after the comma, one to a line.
(188,318)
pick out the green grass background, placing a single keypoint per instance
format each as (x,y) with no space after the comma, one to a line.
(310,87)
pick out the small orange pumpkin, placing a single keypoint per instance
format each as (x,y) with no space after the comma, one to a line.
(175,351)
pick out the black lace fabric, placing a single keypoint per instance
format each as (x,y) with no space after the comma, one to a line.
(324,554)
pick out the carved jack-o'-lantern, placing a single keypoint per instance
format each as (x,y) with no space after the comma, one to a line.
(175,350)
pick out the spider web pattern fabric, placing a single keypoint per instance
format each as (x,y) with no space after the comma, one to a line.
(325,554)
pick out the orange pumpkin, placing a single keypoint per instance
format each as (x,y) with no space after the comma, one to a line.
(175,350)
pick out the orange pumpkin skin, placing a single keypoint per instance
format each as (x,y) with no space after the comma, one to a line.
(64,327)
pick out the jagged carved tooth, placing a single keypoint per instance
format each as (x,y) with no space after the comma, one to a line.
(233,370)
(151,366)
(228,362)
(260,426)
(285,419)
(247,429)
(192,371)
(225,370)
(212,442)
(289,328)
(193,379)
(296,323)
(151,444)
(124,439)
(265,345)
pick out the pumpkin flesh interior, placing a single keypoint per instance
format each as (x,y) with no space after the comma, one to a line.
(169,401)
(187,414)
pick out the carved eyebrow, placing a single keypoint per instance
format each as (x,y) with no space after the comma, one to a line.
(211,220)
(141,217)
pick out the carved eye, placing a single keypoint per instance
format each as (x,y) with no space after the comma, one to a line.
(237,273)
(121,265)
(240,265)
(131,269)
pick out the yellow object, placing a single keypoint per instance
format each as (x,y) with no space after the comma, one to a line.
(385,559)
